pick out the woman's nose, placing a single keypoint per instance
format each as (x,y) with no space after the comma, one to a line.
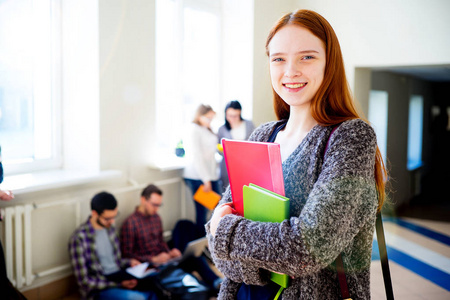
(292,70)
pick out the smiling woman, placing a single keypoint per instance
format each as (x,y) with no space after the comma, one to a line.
(332,174)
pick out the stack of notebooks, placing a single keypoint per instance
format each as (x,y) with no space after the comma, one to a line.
(257,185)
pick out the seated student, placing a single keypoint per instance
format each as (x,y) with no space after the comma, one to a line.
(141,237)
(95,255)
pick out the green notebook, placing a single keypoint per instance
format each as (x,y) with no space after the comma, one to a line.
(266,206)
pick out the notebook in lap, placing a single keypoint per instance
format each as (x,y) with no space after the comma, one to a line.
(194,248)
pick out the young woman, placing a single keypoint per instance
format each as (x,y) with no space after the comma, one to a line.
(235,128)
(334,190)
(201,165)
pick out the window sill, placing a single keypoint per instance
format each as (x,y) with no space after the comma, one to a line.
(168,162)
(40,181)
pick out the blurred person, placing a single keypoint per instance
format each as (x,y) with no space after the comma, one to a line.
(141,238)
(235,128)
(96,258)
(201,166)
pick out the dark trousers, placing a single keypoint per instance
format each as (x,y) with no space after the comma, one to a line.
(184,232)
(200,210)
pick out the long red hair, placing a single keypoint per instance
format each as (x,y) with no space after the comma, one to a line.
(333,103)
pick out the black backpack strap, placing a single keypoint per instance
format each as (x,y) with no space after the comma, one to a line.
(383,258)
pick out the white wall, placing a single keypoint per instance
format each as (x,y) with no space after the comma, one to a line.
(267,12)
(127,85)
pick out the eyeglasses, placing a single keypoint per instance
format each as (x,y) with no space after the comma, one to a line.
(155,204)
(110,218)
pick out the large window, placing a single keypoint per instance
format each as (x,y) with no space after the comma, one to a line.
(203,55)
(29,91)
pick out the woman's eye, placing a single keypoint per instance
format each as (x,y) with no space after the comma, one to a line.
(307,57)
(277,59)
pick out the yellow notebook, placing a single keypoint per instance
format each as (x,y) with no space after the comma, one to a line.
(208,200)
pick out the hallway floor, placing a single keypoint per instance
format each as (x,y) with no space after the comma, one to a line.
(419,259)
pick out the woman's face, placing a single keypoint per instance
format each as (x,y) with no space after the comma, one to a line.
(205,120)
(297,64)
(233,116)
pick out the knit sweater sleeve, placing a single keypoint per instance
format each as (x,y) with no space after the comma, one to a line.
(342,201)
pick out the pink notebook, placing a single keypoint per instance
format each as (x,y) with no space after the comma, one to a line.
(252,162)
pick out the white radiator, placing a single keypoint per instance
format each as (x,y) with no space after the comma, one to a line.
(17,224)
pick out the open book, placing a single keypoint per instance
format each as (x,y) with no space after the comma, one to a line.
(141,270)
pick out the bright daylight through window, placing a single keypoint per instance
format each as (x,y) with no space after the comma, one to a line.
(29,39)
(204,55)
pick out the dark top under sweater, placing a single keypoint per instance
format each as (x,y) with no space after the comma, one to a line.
(333,203)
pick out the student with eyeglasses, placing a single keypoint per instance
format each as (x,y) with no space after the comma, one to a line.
(141,238)
(96,259)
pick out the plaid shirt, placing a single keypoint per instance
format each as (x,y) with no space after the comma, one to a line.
(141,237)
(85,262)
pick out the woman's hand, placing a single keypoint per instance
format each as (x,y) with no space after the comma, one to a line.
(6,195)
(207,187)
(222,210)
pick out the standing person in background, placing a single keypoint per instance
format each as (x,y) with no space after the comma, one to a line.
(235,128)
(201,165)
(333,175)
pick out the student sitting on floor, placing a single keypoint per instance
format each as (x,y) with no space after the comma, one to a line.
(141,237)
(96,258)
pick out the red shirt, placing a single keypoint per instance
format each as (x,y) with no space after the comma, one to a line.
(141,237)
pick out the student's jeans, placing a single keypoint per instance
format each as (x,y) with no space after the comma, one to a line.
(125,294)
(184,232)
(200,265)
(200,210)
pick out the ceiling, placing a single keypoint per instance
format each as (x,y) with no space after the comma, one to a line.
(439,73)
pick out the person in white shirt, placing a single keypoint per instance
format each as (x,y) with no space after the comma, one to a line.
(201,166)
(236,128)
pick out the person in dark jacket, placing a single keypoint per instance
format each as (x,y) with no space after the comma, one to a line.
(236,128)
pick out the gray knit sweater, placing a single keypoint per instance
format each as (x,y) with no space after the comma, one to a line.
(333,203)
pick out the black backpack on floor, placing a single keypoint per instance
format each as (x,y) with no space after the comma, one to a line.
(172,283)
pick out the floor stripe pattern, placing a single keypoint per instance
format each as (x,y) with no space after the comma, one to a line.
(417,248)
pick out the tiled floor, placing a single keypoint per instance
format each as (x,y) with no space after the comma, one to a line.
(419,260)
